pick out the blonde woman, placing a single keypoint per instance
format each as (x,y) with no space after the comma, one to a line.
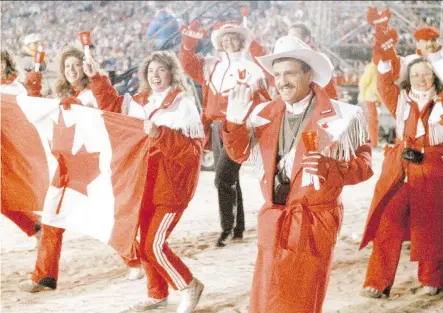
(72,86)
(173,124)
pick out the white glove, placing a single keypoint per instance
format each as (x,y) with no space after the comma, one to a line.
(239,103)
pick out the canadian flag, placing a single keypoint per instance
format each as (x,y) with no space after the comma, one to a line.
(84,168)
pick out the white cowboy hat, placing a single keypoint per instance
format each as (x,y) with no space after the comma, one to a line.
(292,47)
(32,38)
(222,28)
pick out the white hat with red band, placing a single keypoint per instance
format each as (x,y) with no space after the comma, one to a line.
(222,28)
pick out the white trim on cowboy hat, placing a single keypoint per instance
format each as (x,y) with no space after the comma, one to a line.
(32,38)
(230,27)
(292,47)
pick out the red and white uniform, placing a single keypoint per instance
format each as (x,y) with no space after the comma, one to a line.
(408,201)
(217,76)
(296,241)
(172,177)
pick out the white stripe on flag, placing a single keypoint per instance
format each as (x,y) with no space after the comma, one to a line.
(159,240)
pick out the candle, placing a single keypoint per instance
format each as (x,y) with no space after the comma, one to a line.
(38,58)
(85,39)
(310,140)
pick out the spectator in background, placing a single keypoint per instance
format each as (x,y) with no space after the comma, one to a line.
(301,31)
(31,43)
(370,96)
(162,27)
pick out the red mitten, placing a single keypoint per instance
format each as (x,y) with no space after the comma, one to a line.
(384,45)
(316,164)
(379,20)
(66,102)
(33,83)
(192,34)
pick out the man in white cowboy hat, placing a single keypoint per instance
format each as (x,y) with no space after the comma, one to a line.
(301,218)
(31,44)
(217,76)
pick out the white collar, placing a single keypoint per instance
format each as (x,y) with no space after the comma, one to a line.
(232,56)
(158,97)
(300,106)
(422,97)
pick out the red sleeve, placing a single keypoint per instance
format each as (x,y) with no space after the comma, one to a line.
(236,141)
(388,90)
(192,64)
(355,171)
(106,95)
(177,147)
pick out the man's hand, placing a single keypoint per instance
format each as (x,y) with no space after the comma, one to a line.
(151,129)
(90,67)
(239,103)
(192,34)
(316,164)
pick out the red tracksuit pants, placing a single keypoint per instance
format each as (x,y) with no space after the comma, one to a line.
(387,247)
(161,265)
(26,221)
(49,252)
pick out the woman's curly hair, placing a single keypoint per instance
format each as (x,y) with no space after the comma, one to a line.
(171,62)
(62,87)
(406,83)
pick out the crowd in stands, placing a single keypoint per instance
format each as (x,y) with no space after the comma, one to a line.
(119,29)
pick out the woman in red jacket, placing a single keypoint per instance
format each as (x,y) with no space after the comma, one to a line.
(173,124)
(408,194)
(72,86)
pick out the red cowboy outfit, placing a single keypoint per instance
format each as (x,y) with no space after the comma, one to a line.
(172,177)
(296,240)
(408,200)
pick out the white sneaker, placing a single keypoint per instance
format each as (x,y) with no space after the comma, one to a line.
(135,273)
(30,286)
(190,296)
(149,304)
(430,291)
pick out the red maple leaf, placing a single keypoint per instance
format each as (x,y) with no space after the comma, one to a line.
(75,171)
